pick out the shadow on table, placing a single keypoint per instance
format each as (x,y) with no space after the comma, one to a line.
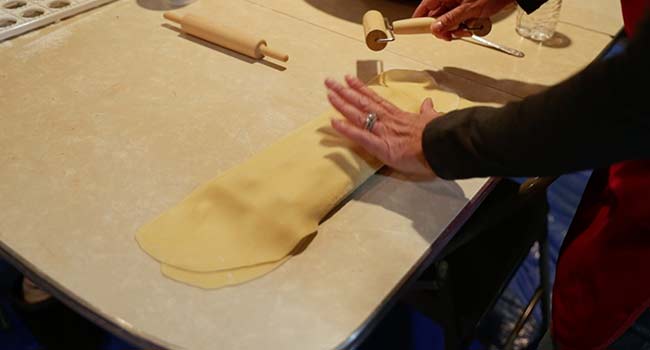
(467,84)
(428,203)
(222,49)
(478,93)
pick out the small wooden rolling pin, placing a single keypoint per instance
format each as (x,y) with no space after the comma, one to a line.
(225,36)
(377,33)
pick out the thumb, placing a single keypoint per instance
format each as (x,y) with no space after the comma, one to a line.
(427,106)
(450,20)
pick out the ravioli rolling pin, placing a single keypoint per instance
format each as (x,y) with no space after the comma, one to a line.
(379,31)
(224,36)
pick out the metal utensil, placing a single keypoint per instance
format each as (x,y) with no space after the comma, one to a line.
(508,50)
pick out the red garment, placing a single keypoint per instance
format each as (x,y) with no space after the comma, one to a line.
(603,273)
(633,11)
(603,282)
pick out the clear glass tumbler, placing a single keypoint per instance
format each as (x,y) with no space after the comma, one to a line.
(539,25)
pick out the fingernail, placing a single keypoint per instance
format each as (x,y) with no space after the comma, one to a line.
(436,27)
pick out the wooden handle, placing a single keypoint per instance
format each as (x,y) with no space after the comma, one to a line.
(174,17)
(267,51)
(413,25)
(225,36)
(478,26)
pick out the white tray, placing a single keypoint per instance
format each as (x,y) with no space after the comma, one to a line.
(20,16)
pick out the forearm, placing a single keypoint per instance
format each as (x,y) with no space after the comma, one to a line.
(593,119)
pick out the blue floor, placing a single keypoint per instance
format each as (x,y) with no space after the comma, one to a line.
(14,334)
(563,197)
(406,328)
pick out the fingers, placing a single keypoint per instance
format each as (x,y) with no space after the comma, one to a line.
(421,10)
(360,101)
(349,111)
(370,142)
(355,114)
(450,21)
(358,85)
(428,110)
(437,12)
(427,106)
(424,7)
(362,97)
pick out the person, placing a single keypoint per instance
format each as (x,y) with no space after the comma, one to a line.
(596,119)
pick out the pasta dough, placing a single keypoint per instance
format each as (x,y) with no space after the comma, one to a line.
(258,211)
(218,279)
(248,219)
(223,278)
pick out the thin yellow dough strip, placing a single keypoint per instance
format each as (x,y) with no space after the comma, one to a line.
(223,278)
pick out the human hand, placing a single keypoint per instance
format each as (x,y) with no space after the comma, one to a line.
(396,137)
(451,13)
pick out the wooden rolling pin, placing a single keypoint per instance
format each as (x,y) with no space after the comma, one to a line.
(227,37)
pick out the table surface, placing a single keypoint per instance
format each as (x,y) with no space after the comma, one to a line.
(111,117)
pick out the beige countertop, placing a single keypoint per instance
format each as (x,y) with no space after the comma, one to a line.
(109,118)
(599,16)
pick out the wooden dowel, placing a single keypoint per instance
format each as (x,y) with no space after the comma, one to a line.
(174,17)
(267,51)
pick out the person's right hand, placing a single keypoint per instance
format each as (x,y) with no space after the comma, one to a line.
(451,13)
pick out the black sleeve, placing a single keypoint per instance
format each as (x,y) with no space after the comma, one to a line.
(593,119)
(530,5)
